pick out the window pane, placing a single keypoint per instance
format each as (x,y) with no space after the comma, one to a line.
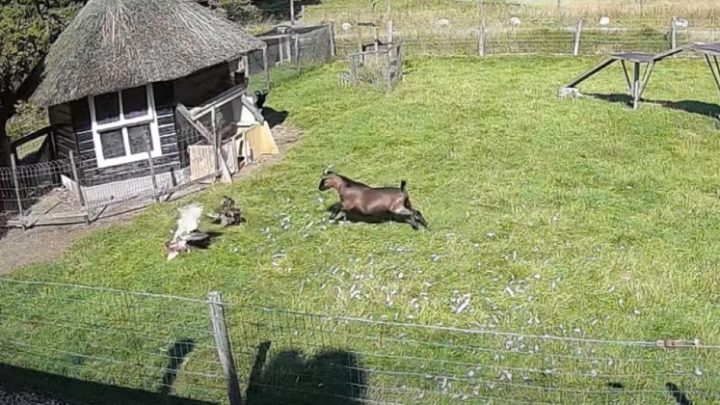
(139,138)
(112,144)
(134,102)
(107,108)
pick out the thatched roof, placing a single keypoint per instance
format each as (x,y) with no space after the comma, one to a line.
(117,44)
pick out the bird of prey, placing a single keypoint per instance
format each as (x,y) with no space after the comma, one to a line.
(187,235)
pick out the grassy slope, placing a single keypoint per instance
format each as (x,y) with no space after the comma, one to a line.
(603,213)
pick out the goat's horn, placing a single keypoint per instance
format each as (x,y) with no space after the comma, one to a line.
(327,170)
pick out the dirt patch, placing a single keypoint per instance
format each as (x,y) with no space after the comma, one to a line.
(285,137)
(46,243)
(42,244)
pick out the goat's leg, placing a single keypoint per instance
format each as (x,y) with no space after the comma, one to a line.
(335,211)
(409,214)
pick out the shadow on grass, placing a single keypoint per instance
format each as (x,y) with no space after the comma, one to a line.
(330,377)
(690,106)
(177,353)
(675,392)
(355,217)
(680,397)
(83,392)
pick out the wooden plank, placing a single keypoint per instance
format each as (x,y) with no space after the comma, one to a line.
(31,137)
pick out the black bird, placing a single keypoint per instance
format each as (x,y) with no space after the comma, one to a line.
(260,98)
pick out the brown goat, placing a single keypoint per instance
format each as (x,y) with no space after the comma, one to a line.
(370,201)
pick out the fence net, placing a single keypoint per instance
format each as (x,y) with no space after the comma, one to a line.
(164,344)
(154,343)
(444,27)
(35,188)
(307,358)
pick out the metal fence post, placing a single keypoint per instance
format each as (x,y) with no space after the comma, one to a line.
(481,33)
(222,341)
(576,42)
(16,185)
(152,172)
(76,179)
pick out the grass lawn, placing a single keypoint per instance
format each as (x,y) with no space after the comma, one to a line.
(576,218)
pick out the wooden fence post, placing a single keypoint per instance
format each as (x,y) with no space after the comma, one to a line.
(389,32)
(333,50)
(576,42)
(673,33)
(296,44)
(292,12)
(246,64)
(389,71)
(266,68)
(222,342)
(16,185)
(152,172)
(76,179)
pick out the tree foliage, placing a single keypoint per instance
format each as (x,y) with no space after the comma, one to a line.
(27,29)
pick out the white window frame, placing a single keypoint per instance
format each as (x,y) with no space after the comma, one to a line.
(149,118)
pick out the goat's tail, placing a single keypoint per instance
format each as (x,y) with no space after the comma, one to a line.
(406,197)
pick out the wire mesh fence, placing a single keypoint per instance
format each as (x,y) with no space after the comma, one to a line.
(155,343)
(165,344)
(310,358)
(295,47)
(22,188)
(77,190)
(492,27)
(380,67)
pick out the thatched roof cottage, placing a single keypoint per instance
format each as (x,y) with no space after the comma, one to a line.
(115,77)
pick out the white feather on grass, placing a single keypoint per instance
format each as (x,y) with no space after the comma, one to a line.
(188,220)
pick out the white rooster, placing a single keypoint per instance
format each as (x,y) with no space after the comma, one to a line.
(187,234)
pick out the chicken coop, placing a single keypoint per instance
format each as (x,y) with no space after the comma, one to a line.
(137,92)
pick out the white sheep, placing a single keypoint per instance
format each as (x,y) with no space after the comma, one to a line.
(604,21)
(515,21)
(346,26)
(443,23)
(681,23)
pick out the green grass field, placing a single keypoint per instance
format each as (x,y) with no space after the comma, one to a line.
(562,217)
